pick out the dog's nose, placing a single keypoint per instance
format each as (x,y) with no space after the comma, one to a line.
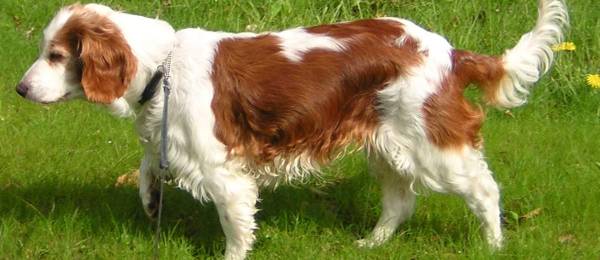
(22,89)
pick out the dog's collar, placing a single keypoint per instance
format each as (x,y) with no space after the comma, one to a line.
(150,88)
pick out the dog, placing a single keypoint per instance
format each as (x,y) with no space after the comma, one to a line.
(251,110)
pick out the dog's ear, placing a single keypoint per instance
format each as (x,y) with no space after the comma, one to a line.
(105,60)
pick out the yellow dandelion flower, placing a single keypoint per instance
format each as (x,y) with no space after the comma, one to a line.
(564,46)
(593,80)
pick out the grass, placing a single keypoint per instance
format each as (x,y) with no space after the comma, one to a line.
(58,164)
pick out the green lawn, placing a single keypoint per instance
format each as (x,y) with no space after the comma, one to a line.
(59,163)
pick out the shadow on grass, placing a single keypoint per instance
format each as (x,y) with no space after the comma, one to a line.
(349,206)
(111,208)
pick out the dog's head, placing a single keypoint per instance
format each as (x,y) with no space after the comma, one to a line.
(83,54)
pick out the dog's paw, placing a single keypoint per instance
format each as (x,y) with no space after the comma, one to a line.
(367,243)
(151,208)
(496,244)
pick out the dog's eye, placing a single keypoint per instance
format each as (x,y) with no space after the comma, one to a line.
(55,57)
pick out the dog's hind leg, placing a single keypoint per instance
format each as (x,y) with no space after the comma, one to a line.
(398,201)
(235,196)
(466,174)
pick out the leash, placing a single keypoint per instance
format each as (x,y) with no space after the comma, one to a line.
(165,71)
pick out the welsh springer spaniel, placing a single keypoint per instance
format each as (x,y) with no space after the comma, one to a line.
(249,110)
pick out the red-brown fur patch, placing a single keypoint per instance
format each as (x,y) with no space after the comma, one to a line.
(450,119)
(97,46)
(266,105)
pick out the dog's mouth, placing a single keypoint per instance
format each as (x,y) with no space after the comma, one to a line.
(63,98)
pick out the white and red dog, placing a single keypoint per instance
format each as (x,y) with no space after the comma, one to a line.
(249,110)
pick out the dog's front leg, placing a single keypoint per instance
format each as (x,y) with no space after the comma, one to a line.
(235,196)
(148,185)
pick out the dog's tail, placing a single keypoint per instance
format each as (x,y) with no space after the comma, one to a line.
(506,79)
